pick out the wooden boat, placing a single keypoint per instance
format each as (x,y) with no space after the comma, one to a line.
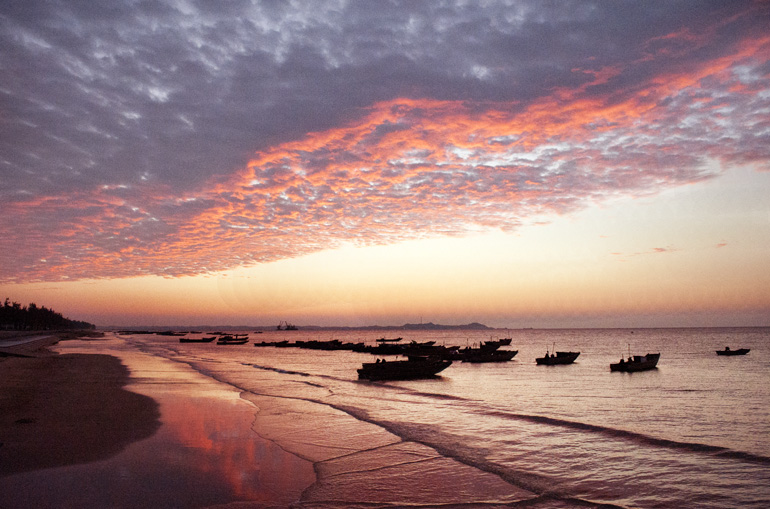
(197,340)
(481,355)
(727,351)
(236,339)
(559,358)
(412,369)
(636,363)
(388,340)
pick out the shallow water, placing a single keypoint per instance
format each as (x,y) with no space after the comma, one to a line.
(205,452)
(695,432)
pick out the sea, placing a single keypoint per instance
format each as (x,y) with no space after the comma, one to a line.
(694,432)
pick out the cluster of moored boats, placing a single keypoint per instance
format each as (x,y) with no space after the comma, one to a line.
(426,359)
(486,351)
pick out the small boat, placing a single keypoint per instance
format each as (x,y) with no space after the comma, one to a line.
(412,369)
(197,340)
(388,340)
(481,355)
(559,358)
(235,339)
(727,351)
(637,363)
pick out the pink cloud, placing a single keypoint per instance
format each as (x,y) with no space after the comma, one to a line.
(407,169)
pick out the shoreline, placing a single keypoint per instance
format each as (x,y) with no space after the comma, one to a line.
(97,425)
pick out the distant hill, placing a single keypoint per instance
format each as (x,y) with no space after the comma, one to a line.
(406,326)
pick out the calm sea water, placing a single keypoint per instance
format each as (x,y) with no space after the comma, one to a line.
(693,433)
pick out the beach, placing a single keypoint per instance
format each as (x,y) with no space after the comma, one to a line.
(81,430)
(144,420)
(122,428)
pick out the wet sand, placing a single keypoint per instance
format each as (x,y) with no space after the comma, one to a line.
(129,430)
(68,409)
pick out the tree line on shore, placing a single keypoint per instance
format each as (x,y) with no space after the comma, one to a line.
(14,316)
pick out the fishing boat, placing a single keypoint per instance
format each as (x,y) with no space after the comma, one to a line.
(412,369)
(558,358)
(727,351)
(388,340)
(481,355)
(197,340)
(283,325)
(636,363)
(235,339)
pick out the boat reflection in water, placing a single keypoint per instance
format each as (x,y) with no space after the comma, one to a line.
(415,367)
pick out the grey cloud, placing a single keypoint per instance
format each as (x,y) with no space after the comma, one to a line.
(113,92)
(142,99)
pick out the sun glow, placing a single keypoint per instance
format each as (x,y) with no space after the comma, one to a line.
(572,267)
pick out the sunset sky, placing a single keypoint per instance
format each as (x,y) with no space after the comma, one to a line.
(519,164)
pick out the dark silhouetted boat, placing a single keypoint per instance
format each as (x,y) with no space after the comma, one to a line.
(412,369)
(559,358)
(637,363)
(234,339)
(481,355)
(388,340)
(197,340)
(727,351)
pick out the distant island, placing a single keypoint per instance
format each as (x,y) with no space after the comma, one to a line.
(406,326)
(14,316)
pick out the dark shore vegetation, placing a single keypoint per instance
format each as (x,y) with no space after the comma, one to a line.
(14,316)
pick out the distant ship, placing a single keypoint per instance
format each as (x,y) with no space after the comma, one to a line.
(286,326)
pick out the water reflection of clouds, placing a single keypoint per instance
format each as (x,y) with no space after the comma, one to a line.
(205,452)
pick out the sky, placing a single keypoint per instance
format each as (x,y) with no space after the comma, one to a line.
(514,163)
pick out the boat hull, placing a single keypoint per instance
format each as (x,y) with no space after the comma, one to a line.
(479,357)
(639,363)
(197,340)
(412,369)
(740,351)
(560,358)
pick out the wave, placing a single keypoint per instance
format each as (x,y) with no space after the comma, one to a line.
(542,486)
(640,438)
(636,437)
(276,370)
